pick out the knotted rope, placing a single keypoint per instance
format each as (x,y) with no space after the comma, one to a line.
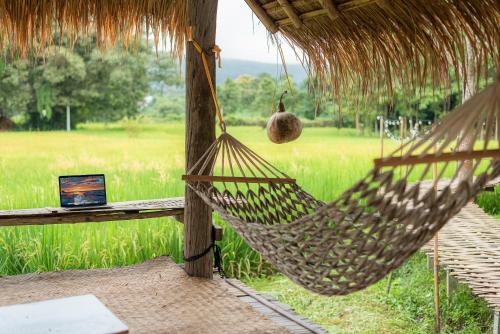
(217,51)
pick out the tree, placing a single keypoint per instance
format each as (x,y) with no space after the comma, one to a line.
(116,84)
(98,85)
(15,92)
(265,96)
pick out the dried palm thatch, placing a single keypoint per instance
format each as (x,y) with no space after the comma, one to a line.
(29,25)
(352,46)
(370,45)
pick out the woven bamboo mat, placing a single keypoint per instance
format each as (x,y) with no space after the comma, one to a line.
(153,297)
(469,246)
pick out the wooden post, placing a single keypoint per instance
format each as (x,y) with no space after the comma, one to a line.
(496,322)
(497,132)
(381,129)
(68,119)
(451,284)
(436,259)
(469,90)
(200,132)
(436,285)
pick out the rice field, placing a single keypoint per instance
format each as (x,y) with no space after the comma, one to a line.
(145,162)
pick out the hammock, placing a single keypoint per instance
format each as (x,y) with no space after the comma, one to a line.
(344,246)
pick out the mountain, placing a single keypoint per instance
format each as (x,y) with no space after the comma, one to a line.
(233,68)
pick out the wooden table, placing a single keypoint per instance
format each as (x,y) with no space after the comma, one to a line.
(168,207)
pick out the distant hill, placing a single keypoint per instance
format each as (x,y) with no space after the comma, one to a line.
(232,68)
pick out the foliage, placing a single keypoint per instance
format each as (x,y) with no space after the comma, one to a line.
(490,201)
(97,85)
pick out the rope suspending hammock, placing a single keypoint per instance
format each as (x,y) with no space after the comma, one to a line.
(344,246)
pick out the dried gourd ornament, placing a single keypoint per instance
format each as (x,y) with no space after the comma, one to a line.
(283,126)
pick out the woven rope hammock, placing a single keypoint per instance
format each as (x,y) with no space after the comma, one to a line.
(344,246)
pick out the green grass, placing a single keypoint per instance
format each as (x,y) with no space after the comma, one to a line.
(146,162)
(408,308)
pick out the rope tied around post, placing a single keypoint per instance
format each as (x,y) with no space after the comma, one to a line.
(217,51)
(217,258)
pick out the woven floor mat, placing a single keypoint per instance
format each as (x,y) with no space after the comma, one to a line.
(153,297)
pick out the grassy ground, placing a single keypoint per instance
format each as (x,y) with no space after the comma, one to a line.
(408,308)
(142,162)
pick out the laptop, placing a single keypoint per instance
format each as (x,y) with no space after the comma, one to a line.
(82,192)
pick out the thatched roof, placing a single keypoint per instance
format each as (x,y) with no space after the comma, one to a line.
(360,44)
(368,44)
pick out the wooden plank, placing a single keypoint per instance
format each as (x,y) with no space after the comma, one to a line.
(77,315)
(430,158)
(333,12)
(200,131)
(284,313)
(290,12)
(85,218)
(241,179)
(117,211)
(141,205)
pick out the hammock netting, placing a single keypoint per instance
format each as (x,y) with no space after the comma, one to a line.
(344,246)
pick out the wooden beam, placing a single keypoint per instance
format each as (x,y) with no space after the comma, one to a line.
(331,9)
(200,132)
(429,158)
(266,20)
(290,12)
(89,218)
(209,178)
(307,16)
(303,17)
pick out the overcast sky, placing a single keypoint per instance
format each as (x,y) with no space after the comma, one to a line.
(240,35)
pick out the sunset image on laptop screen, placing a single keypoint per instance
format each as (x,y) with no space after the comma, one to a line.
(82,190)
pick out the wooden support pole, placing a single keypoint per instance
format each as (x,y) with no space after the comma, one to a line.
(68,119)
(467,140)
(497,126)
(200,132)
(430,263)
(496,322)
(436,260)
(437,323)
(451,284)
(381,129)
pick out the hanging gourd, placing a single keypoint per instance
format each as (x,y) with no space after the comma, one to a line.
(283,126)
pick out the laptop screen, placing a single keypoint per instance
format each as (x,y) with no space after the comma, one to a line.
(82,190)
